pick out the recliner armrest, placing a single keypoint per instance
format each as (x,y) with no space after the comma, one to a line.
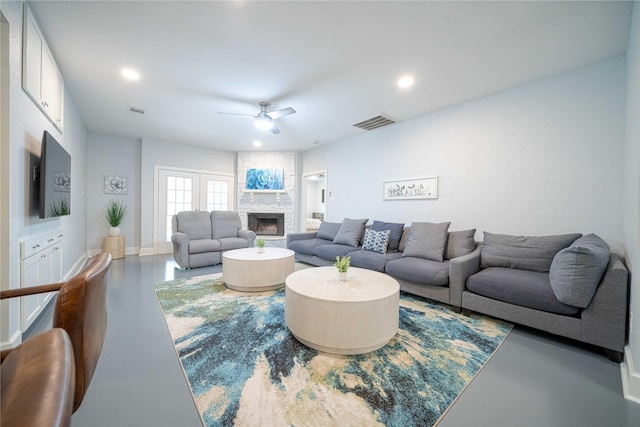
(249,235)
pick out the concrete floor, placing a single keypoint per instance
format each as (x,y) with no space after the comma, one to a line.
(532,380)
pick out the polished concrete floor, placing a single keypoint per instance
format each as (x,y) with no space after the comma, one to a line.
(532,380)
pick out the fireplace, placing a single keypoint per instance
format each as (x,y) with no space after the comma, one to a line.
(266,224)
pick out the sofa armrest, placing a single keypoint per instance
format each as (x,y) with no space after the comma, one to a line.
(460,269)
(249,235)
(604,321)
(300,236)
(181,249)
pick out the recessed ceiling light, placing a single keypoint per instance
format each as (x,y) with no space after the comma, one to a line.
(405,82)
(257,143)
(130,74)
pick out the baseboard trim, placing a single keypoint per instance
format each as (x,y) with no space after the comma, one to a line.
(147,251)
(630,377)
(15,339)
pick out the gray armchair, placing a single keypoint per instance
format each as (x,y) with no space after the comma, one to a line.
(200,237)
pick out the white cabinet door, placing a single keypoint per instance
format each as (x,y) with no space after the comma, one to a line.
(32,57)
(58,111)
(41,78)
(48,79)
(30,306)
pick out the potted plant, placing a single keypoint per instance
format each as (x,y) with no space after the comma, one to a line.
(260,244)
(342,264)
(116,211)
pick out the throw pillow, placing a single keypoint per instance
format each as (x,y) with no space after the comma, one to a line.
(460,243)
(395,234)
(350,232)
(533,253)
(376,241)
(576,271)
(328,230)
(427,240)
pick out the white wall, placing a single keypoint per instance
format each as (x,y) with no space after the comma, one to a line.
(120,156)
(163,153)
(26,126)
(543,158)
(632,196)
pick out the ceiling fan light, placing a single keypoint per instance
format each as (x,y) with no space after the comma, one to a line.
(264,123)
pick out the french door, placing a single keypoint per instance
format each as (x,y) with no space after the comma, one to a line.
(182,190)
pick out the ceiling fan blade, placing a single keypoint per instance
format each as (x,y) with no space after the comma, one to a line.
(236,114)
(281,113)
(275,130)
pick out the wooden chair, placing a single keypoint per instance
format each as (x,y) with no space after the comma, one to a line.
(81,310)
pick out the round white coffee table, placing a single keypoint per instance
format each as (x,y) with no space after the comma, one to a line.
(352,317)
(251,271)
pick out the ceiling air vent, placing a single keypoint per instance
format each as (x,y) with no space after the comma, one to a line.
(374,123)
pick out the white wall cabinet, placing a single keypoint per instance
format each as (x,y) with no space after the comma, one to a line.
(41,79)
(40,264)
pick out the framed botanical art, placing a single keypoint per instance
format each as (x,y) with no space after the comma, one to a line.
(409,189)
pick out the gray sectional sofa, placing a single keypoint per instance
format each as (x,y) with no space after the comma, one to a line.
(426,259)
(569,285)
(199,238)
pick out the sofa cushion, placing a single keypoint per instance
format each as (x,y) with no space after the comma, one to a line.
(576,271)
(520,287)
(350,232)
(328,230)
(229,243)
(330,252)
(203,245)
(306,246)
(533,253)
(195,224)
(376,241)
(225,224)
(372,260)
(460,243)
(395,233)
(419,270)
(427,240)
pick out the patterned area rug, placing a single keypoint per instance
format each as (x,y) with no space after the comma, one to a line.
(246,369)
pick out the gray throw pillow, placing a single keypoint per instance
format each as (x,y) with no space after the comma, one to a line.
(460,243)
(328,230)
(533,253)
(576,271)
(427,240)
(350,232)
(395,233)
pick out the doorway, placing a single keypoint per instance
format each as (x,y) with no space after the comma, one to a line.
(185,190)
(314,196)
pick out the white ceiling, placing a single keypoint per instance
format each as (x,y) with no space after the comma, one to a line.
(335,62)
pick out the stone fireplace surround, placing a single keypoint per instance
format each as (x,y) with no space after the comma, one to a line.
(283,202)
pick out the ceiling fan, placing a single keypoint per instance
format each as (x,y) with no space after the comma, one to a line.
(264,120)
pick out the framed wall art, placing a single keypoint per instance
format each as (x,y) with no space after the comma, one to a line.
(411,189)
(115,184)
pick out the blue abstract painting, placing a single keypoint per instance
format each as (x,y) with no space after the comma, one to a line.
(265,179)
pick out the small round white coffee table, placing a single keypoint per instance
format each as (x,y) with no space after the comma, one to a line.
(352,317)
(248,270)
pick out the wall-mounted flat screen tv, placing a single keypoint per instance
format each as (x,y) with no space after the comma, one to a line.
(55,178)
(265,180)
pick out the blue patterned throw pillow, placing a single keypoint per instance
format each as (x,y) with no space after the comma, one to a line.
(376,241)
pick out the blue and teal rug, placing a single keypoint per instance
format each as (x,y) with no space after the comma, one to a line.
(246,369)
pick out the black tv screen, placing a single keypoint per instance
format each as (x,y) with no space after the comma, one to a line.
(55,178)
